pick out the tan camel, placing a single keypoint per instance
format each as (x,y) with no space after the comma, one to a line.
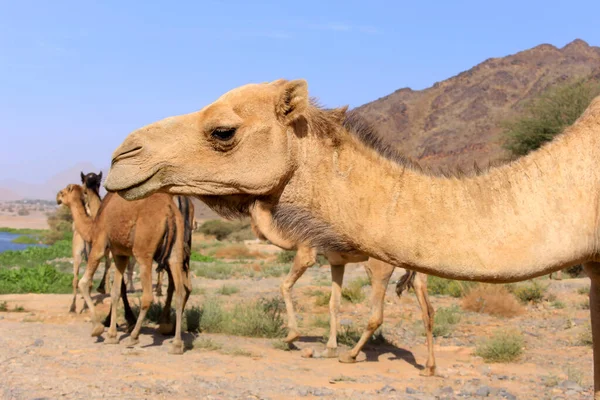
(329,181)
(148,229)
(379,274)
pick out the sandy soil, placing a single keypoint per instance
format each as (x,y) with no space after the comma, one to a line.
(48,353)
(36,220)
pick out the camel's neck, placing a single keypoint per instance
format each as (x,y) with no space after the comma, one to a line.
(83,222)
(93,202)
(513,222)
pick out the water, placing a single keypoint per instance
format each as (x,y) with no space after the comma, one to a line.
(7,244)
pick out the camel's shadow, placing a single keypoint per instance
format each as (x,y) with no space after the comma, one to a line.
(373,352)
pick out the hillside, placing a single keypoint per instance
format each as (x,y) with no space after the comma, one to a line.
(457,121)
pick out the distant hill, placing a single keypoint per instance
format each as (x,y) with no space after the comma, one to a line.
(456,122)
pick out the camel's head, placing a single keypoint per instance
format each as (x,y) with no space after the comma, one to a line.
(92,181)
(69,194)
(243,143)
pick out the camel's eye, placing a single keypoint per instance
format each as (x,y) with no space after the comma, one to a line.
(223,134)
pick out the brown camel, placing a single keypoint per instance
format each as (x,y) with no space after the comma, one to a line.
(329,181)
(379,274)
(148,229)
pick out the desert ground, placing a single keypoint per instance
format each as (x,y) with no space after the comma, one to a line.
(48,353)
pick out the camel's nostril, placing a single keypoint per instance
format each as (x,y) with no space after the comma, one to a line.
(126,154)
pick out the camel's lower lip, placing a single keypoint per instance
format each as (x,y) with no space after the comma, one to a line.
(136,185)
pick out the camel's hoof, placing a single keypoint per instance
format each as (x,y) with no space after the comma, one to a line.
(292,337)
(346,358)
(330,353)
(131,342)
(111,340)
(176,348)
(101,290)
(428,371)
(98,329)
(166,328)
(130,327)
(72,309)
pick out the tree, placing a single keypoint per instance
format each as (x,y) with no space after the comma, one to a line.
(548,115)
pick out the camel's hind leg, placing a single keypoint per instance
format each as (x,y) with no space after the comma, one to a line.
(120,264)
(85,284)
(427,313)
(159,279)
(180,282)
(78,248)
(592,270)
(337,278)
(380,274)
(165,326)
(130,270)
(305,257)
(107,261)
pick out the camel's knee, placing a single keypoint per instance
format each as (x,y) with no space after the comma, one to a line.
(375,322)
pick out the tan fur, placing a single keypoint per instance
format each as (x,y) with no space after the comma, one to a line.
(330,187)
(139,229)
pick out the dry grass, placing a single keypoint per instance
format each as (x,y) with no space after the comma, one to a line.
(236,251)
(492,299)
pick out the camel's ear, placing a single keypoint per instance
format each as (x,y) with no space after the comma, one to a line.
(292,100)
(82,177)
(339,114)
(100,176)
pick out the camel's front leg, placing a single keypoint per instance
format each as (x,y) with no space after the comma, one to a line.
(427,313)
(147,297)
(78,247)
(337,279)
(592,270)
(305,257)
(85,284)
(380,274)
(120,263)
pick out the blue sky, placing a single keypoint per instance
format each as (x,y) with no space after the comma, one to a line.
(77,76)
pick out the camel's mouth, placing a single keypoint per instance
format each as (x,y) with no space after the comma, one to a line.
(137,190)
(126,154)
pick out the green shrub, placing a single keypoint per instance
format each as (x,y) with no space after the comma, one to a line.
(25,239)
(40,279)
(584,290)
(195,256)
(223,229)
(530,292)
(286,256)
(228,290)
(548,115)
(503,346)
(448,287)
(3,306)
(353,291)
(206,344)
(444,320)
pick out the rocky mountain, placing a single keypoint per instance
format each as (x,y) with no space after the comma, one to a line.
(457,122)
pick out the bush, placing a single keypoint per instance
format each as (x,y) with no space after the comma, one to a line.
(444,320)
(530,292)
(228,290)
(448,287)
(353,291)
(25,239)
(492,299)
(223,229)
(503,346)
(261,318)
(201,257)
(23,212)
(40,279)
(61,225)
(286,256)
(548,115)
